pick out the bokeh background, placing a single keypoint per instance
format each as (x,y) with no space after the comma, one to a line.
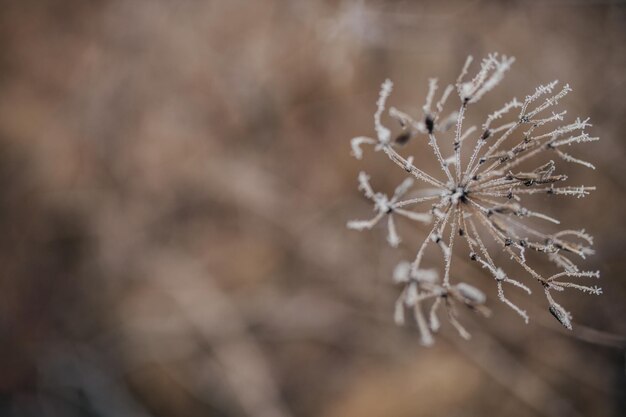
(175,180)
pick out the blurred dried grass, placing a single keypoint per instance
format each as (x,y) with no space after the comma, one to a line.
(175,184)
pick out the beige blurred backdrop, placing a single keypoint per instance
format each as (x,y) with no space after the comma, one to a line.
(175,182)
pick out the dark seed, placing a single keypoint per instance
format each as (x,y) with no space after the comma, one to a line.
(430,124)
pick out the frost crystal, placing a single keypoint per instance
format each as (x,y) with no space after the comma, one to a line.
(481,198)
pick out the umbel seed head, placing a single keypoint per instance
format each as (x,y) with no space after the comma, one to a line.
(479,198)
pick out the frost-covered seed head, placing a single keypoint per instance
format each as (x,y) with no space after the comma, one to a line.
(481,195)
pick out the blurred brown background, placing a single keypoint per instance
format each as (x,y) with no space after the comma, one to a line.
(175,181)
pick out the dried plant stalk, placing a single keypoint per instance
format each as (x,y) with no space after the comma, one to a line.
(481,199)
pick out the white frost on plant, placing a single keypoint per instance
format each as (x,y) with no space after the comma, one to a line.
(481,197)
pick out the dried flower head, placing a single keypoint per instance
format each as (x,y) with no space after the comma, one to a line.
(479,195)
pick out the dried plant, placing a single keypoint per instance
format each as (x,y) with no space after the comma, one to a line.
(482,196)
